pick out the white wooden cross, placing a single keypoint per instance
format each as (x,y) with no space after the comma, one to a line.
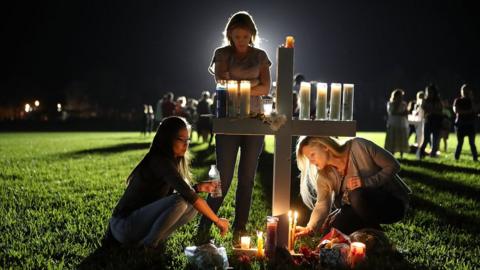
(283,137)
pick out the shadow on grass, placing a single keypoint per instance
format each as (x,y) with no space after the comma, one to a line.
(110,149)
(442,184)
(439,167)
(123,258)
(446,216)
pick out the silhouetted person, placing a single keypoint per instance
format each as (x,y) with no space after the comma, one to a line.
(414,108)
(465,121)
(432,113)
(397,124)
(204,124)
(446,123)
(168,106)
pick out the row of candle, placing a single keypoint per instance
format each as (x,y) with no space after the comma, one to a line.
(292,225)
(233,98)
(321,101)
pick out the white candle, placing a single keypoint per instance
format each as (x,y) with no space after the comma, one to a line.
(244,98)
(347,108)
(295,216)
(232,88)
(304,101)
(290,224)
(321,101)
(335,96)
(245,242)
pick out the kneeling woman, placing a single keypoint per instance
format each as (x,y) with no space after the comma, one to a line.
(358,178)
(159,197)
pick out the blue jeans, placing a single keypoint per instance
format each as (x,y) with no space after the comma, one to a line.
(154,222)
(226,153)
(431,135)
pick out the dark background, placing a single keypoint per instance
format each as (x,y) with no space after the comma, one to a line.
(118,55)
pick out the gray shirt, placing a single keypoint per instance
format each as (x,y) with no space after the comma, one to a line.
(247,68)
(375,166)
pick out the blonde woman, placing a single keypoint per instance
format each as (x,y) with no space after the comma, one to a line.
(357,177)
(397,124)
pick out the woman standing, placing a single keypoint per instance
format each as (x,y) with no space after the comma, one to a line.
(397,124)
(149,210)
(357,177)
(239,60)
(432,113)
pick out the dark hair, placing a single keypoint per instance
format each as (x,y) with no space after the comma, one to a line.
(162,145)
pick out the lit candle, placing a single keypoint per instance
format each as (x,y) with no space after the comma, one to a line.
(232,89)
(321,101)
(260,244)
(244,98)
(290,224)
(347,112)
(289,42)
(305,101)
(335,96)
(357,253)
(245,242)
(295,216)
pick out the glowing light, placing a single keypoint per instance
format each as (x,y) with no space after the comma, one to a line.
(37,103)
(28,108)
(59,107)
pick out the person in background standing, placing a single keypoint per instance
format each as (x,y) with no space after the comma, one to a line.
(446,123)
(239,60)
(158,112)
(465,121)
(204,124)
(168,106)
(432,113)
(397,124)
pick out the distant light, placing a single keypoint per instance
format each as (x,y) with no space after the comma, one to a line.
(28,108)
(37,103)
(59,107)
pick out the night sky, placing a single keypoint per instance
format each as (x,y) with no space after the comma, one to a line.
(131,52)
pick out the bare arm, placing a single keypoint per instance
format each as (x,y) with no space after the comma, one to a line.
(201,206)
(263,86)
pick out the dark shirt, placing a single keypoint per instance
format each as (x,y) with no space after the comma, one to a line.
(464,109)
(153,179)
(167,108)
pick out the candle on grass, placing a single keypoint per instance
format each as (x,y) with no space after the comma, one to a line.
(321,103)
(357,253)
(304,101)
(347,108)
(335,96)
(245,242)
(244,98)
(260,252)
(232,89)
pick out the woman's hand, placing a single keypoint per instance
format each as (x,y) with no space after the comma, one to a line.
(303,231)
(354,183)
(222,225)
(207,187)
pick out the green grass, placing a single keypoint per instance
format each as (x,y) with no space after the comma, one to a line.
(57,191)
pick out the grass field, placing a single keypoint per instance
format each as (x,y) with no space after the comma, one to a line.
(57,191)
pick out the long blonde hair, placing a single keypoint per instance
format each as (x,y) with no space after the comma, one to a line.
(311,177)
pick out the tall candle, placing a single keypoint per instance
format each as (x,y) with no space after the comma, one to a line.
(335,96)
(260,244)
(290,224)
(347,108)
(321,101)
(232,88)
(295,216)
(244,98)
(271,244)
(304,101)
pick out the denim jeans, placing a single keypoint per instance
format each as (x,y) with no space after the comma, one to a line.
(226,150)
(369,207)
(154,222)
(431,135)
(469,131)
